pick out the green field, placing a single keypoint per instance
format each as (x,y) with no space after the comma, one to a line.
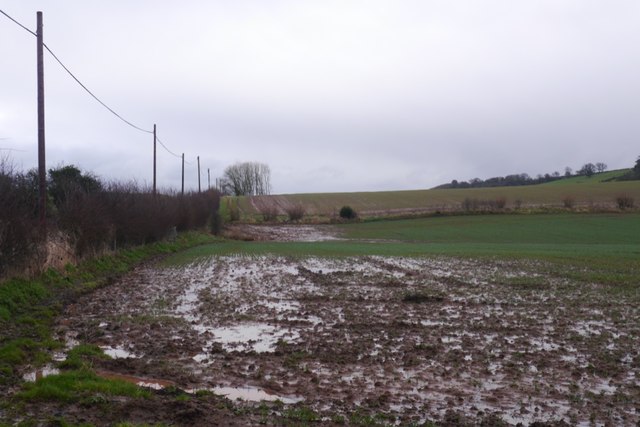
(605,246)
(557,229)
(586,193)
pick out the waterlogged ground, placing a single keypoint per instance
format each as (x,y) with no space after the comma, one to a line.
(413,339)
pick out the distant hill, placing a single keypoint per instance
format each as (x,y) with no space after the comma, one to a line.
(515,180)
(599,177)
(595,192)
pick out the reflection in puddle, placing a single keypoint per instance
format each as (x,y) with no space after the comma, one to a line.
(258,337)
(252,394)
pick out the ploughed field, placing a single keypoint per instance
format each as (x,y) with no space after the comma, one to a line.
(394,339)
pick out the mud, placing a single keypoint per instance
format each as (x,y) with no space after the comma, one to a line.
(283,233)
(413,339)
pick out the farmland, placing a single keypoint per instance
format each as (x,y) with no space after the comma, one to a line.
(445,320)
(585,193)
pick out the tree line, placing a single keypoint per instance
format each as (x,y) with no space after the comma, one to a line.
(588,169)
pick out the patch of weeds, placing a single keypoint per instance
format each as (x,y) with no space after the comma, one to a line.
(203,393)
(422,297)
(159,306)
(15,353)
(302,413)
(81,356)
(359,418)
(338,419)
(94,400)
(293,360)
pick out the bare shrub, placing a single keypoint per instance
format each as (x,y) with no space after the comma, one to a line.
(296,212)
(568,202)
(84,218)
(624,202)
(269,213)
(469,205)
(126,214)
(500,203)
(90,214)
(517,204)
(478,205)
(19,236)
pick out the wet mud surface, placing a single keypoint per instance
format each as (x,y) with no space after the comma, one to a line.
(413,339)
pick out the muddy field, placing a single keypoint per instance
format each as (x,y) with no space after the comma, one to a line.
(413,339)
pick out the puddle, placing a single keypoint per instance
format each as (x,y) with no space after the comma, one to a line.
(40,373)
(142,382)
(335,333)
(246,393)
(258,337)
(252,394)
(118,353)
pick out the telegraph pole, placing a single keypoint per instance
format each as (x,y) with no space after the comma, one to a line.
(42,167)
(199,189)
(208,179)
(154,159)
(183,174)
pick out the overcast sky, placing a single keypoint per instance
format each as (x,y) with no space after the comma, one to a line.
(334,95)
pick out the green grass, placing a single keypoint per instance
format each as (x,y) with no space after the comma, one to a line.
(81,355)
(28,307)
(78,385)
(556,229)
(597,178)
(573,235)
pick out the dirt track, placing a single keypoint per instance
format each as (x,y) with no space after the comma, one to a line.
(414,339)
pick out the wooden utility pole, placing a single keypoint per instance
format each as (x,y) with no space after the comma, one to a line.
(199,189)
(183,174)
(42,166)
(154,159)
(208,179)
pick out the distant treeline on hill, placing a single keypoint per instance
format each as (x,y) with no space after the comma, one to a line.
(503,181)
(587,170)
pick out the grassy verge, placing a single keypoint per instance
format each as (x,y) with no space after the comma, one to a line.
(79,385)
(28,307)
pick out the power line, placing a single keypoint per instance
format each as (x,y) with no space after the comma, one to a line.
(91,93)
(165,147)
(87,89)
(19,24)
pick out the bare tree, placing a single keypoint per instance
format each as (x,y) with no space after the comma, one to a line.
(601,167)
(247,179)
(587,170)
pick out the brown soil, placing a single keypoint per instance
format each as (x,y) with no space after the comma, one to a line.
(454,341)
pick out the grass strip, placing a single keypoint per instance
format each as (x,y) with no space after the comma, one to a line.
(28,307)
